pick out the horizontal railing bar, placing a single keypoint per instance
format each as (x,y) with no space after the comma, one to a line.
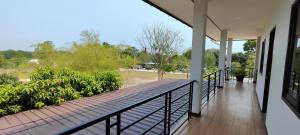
(141,119)
(179,117)
(180,107)
(112,125)
(211,74)
(153,126)
(102,118)
(180,97)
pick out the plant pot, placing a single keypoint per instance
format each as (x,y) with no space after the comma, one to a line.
(239,78)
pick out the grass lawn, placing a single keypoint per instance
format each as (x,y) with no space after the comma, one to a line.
(132,78)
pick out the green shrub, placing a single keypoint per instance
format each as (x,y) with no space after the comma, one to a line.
(14,108)
(3,112)
(39,105)
(59,101)
(110,80)
(49,86)
(8,79)
(43,73)
(240,72)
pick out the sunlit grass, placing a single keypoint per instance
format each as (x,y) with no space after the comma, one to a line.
(133,77)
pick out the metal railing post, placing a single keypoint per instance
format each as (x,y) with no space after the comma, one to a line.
(166,114)
(169,111)
(190,101)
(208,88)
(167,121)
(107,126)
(119,124)
(220,72)
(215,82)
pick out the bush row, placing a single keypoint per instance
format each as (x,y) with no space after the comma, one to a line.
(50,86)
(7,79)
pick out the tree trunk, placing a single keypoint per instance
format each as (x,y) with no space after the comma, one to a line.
(158,74)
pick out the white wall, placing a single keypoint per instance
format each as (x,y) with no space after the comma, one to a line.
(280,119)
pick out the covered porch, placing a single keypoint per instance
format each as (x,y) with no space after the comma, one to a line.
(202,105)
(162,107)
(233,111)
(224,21)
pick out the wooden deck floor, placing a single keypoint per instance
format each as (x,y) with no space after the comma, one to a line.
(234,111)
(53,119)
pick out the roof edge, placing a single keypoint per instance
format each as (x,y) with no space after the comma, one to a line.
(165,11)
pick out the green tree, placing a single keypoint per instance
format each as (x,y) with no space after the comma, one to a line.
(8,54)
(180,63)
(240,58)
(188,54)
(130,51)
(93,58)
(143,57)
(90,37)
(2,61)
(163,43)
(45,50)
(210,59)
(250,46)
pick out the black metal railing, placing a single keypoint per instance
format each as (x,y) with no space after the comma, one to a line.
(230,73)
(210,84)
(173,107)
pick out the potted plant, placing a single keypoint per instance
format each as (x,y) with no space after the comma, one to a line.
(240,74)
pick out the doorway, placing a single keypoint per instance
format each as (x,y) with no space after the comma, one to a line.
(268,72)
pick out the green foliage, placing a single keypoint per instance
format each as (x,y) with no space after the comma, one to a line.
(44,50)
(90,37)
(143,57)
(169,68)
(188,54)
(250,60)
(130,51)
(240,72)
(210,58)
(39,105)
(3,112)
(13,59)
(93,58)
(8,54)
(2,61)
(110,80)
(50,86)
(250,46)
(7,79)
(14,108)
(240,58)
(162,43)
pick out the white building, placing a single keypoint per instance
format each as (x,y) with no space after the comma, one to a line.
(276,26)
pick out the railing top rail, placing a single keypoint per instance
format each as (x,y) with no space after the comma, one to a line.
(240,67)
(211,73)
(121,110)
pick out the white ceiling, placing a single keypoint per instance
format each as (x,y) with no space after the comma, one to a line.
(243,19)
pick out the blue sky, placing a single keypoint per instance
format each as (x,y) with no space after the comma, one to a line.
(27,22)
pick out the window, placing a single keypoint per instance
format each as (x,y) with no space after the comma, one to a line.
(291,88)
(262,57)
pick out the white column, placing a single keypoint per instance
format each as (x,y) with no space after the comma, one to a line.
(258,40)
(229,53)
(198,49)
(222,55)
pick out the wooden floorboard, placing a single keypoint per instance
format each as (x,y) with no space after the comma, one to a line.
(53,119)
(233,111)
